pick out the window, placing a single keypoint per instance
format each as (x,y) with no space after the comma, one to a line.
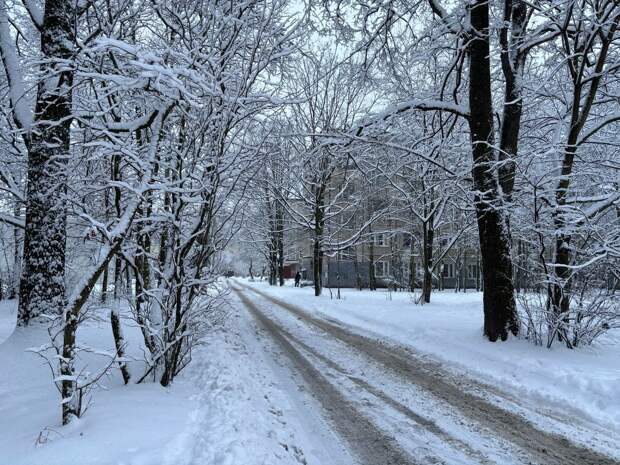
(382,269)
(472,271)
(380,239)
(447,270)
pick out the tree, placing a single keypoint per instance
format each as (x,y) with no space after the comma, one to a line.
(46,136)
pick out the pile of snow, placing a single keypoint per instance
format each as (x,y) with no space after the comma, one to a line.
(585,381)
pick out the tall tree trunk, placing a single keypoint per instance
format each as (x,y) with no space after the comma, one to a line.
(280,235)
(115,322)
(498,300)
(317,255)
(317,266)
(427,259)
(42,284)
(372,278)
(117,333)
(513,60)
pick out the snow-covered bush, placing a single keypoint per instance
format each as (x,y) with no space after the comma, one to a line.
(593,311)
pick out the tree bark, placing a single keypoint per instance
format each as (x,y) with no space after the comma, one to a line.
(317,264)
(498,300)
(280,236)
(372,278)
(42,284)
(427,252)
(513,60)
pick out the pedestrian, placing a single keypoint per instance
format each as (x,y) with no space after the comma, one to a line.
(297,279)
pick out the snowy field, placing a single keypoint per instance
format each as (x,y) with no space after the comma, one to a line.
(586,380)
(225,409)
(239,404)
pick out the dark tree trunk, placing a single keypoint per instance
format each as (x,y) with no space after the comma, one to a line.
(412,270)
(427,260)
(280,236)
(119,343)
(273,241)
(317,266)
(42,284)
(512,59)
(499,303)
(104,286)
(372,278)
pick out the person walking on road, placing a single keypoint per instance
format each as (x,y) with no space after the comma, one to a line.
(297,279)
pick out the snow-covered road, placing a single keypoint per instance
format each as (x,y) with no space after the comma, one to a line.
(389,404)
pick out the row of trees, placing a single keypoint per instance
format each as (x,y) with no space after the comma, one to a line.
(129,135)
(138,137)
(504,114)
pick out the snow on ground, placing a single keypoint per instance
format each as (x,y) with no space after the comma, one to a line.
(223,410)
(123,424)
(236,404)
(585,381)
(8,317)
(247,412)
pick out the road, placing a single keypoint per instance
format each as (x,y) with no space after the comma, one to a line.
(393,406)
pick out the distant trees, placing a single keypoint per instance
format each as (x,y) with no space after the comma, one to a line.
(321,172)
(423,170)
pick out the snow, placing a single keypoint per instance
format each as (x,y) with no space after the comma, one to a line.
(249,410)
(239,403)
(8,318)
(227,408)
(585,381)
(123,424)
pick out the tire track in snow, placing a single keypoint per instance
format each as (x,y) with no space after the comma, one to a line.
(369,444)
(544,447)
(428,424)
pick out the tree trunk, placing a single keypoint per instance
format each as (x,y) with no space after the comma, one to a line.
(42,284)
(104,286)
(427,257)
(512,59)
(498,299)
(119,341)
(319,225)
(372,278)
(280,236)
(317,266)
(70,405)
